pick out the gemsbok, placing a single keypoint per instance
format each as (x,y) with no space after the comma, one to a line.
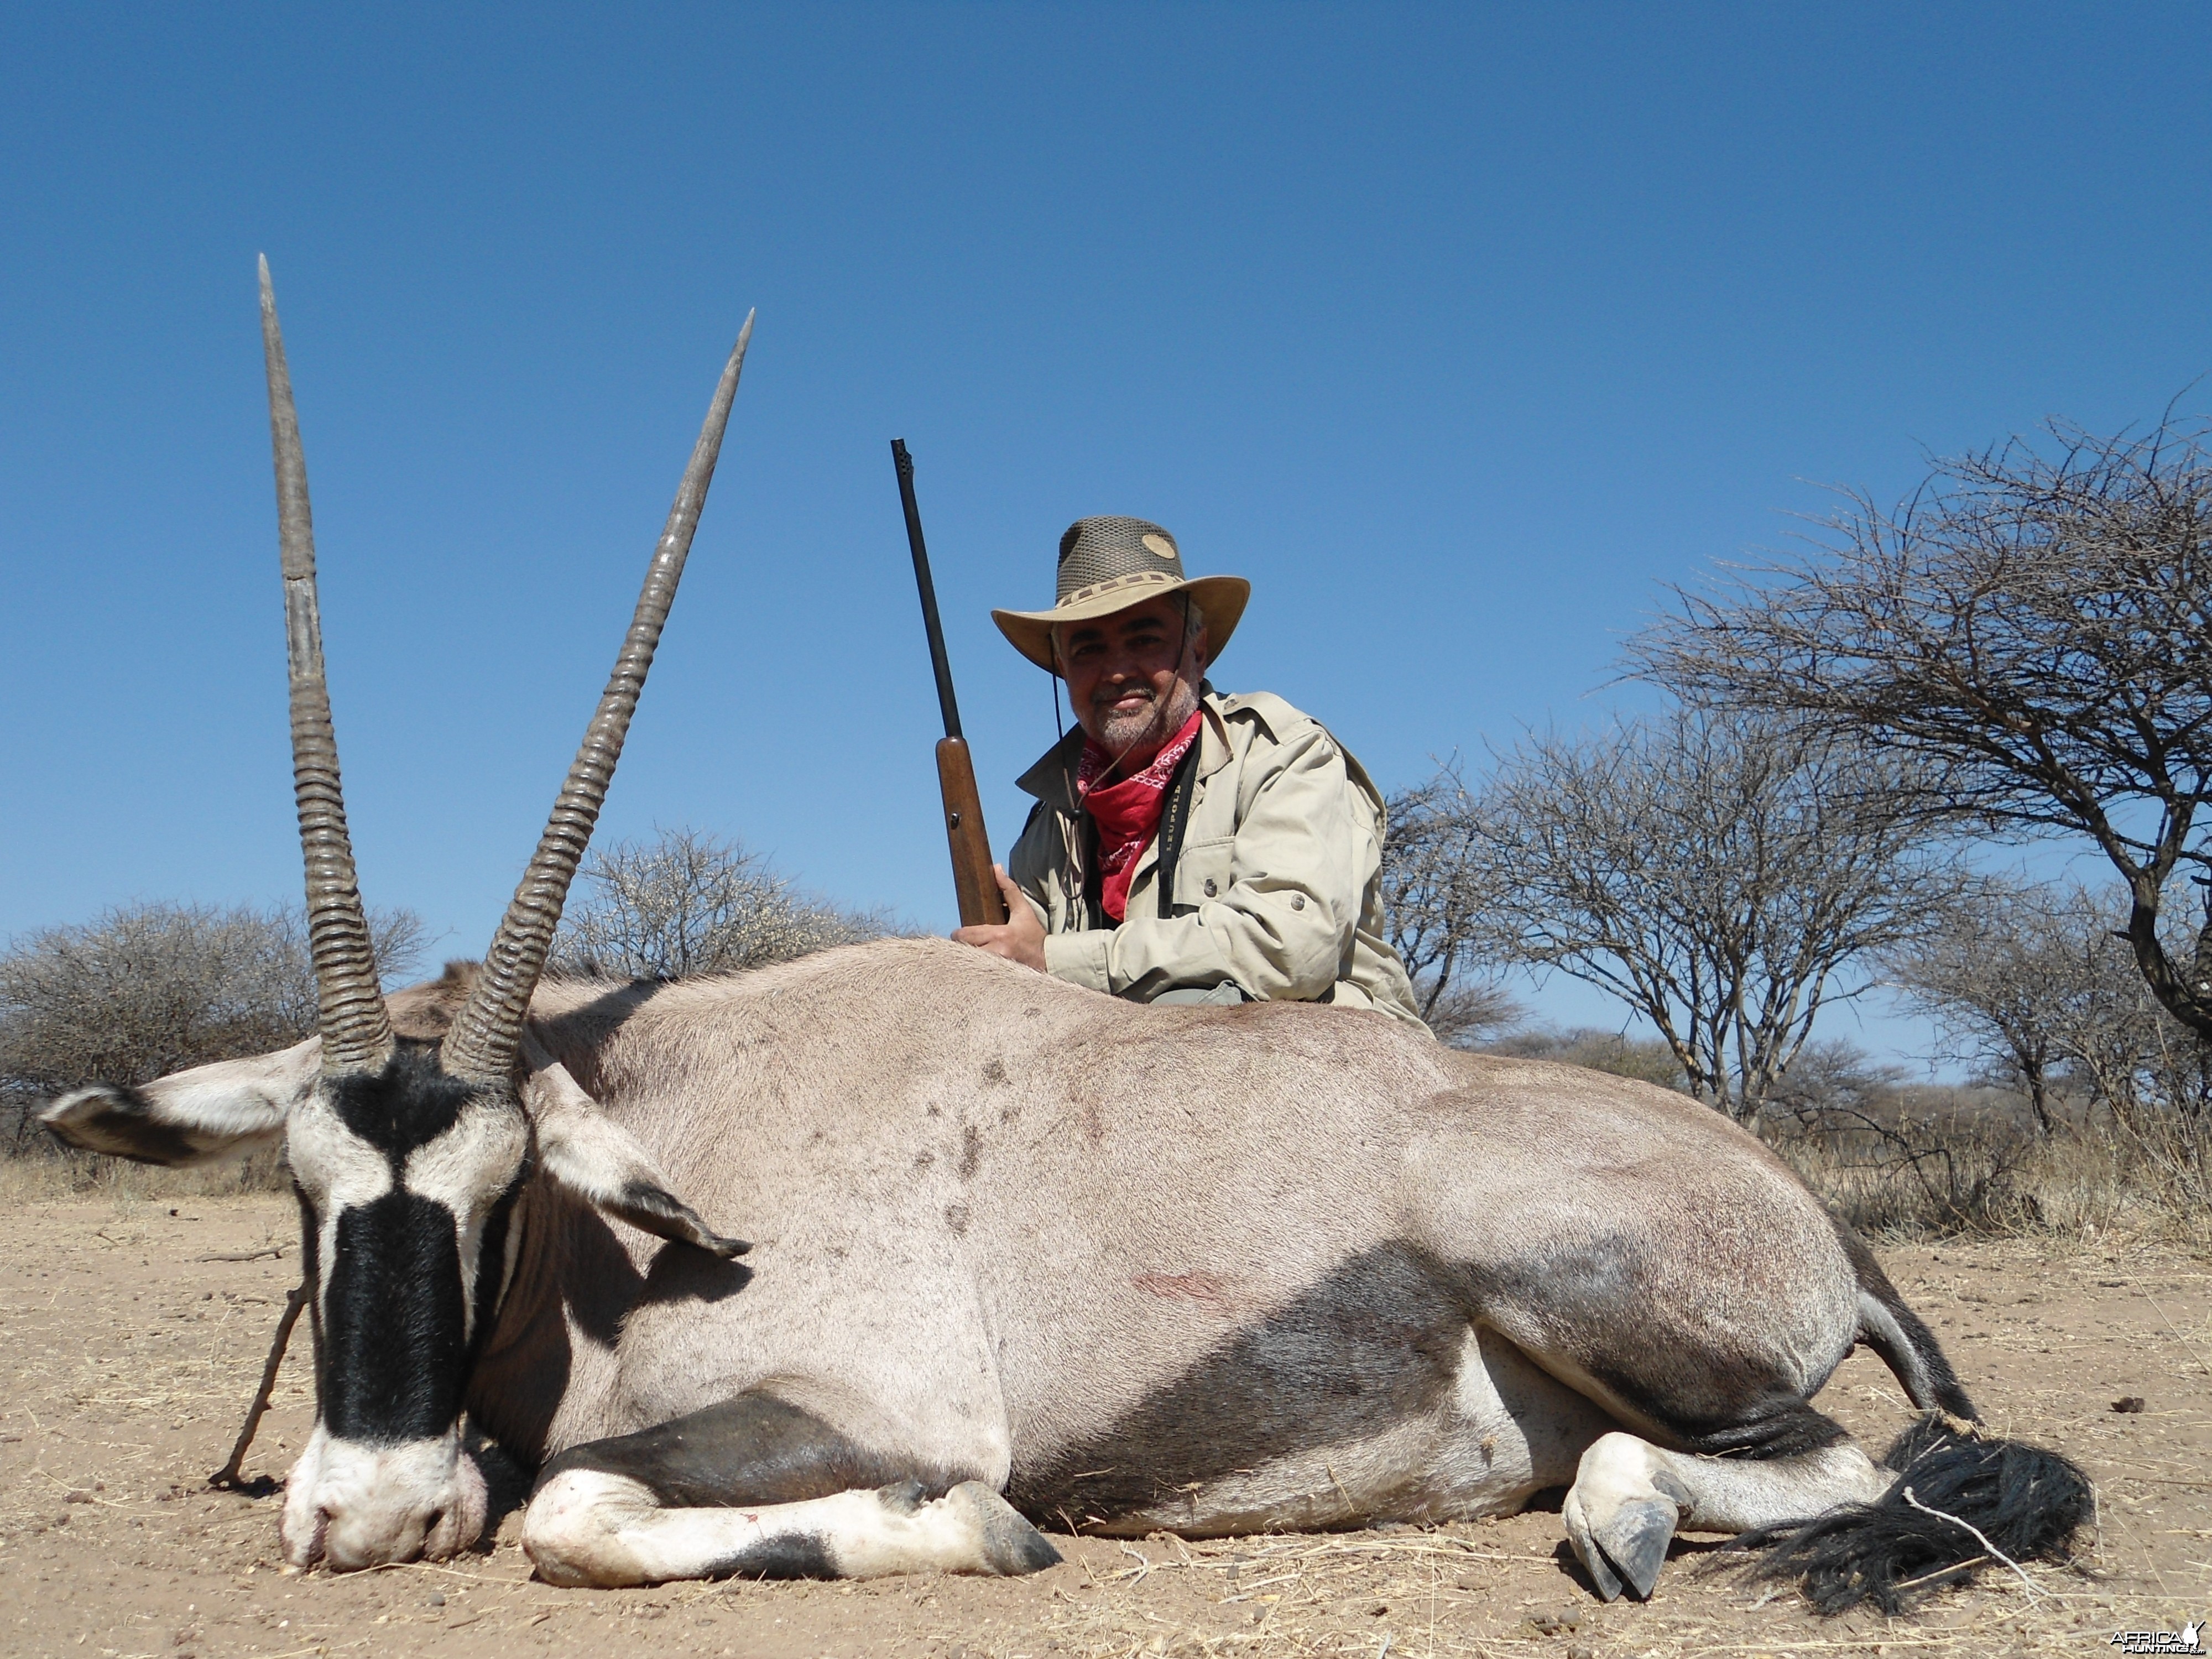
(1025,1250)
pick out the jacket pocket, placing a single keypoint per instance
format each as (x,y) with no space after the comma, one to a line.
(1202,873)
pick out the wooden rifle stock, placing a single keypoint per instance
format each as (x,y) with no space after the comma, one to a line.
(981,903)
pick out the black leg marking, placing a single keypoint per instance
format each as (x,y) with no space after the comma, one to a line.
(752,1450)
(794,1555)
(902,1496)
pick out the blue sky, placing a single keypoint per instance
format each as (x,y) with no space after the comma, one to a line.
(1458,329)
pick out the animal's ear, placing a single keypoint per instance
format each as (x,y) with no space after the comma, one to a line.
(210,1112)
(602,1163)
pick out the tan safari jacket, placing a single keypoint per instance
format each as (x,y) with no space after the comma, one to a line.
(1277,884)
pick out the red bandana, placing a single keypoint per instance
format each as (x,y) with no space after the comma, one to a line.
(1128,811)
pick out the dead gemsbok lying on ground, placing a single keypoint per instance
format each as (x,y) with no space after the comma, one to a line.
(1025,1250)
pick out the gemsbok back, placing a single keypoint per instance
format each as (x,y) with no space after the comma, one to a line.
(1025,1250)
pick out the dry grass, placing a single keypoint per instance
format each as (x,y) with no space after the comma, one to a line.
(1991,1178)
(46,1178)
(137,1328)
(1436,1592)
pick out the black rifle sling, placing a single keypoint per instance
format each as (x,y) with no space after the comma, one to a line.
(1094,907)
(1173,822)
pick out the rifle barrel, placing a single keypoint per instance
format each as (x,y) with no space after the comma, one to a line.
(973,882)
(938,659)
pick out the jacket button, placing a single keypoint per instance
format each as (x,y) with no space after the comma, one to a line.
(1297,901)
(1210,888)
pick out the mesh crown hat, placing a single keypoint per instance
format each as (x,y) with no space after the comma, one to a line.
(1107,565)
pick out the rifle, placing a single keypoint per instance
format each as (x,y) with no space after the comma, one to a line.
(980,901)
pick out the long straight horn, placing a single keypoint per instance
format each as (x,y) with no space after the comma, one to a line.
(356,1030)
(481,1044)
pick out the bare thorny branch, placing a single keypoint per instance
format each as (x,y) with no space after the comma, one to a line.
(2034,630)
(687,903)
(1436,896)
(146,989)
(1717,874)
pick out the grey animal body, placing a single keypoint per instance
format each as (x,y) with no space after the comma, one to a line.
(1214,1270)
(1021,1247)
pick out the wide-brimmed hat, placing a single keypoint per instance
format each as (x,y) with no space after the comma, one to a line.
(1107,565)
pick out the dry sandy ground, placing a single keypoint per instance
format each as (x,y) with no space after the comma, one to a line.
(128,1346)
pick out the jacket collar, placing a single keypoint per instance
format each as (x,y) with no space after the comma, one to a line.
(1052,779)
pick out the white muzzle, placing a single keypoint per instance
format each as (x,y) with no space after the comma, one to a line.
(349,1505)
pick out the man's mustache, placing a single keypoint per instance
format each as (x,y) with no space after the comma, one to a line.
(1103,700)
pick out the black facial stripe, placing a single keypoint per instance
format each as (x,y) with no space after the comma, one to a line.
(394,1329)
(394,1340)
(311,1271)
(408,1104)
(491,1265)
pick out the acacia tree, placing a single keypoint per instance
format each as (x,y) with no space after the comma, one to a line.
(2046,991)
(2126,1053)
(1435,897)
(1722,876)
(2034,629)
(147,989)
(2032,985)
(684,903)
(2015,981)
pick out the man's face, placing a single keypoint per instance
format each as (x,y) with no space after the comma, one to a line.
(1131,678)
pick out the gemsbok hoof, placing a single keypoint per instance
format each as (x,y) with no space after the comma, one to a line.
(1010,1546)
(1619,1517)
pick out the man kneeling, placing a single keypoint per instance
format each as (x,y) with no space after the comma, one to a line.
(1186,846)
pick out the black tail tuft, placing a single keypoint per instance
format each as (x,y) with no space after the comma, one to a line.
(2026,1502)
